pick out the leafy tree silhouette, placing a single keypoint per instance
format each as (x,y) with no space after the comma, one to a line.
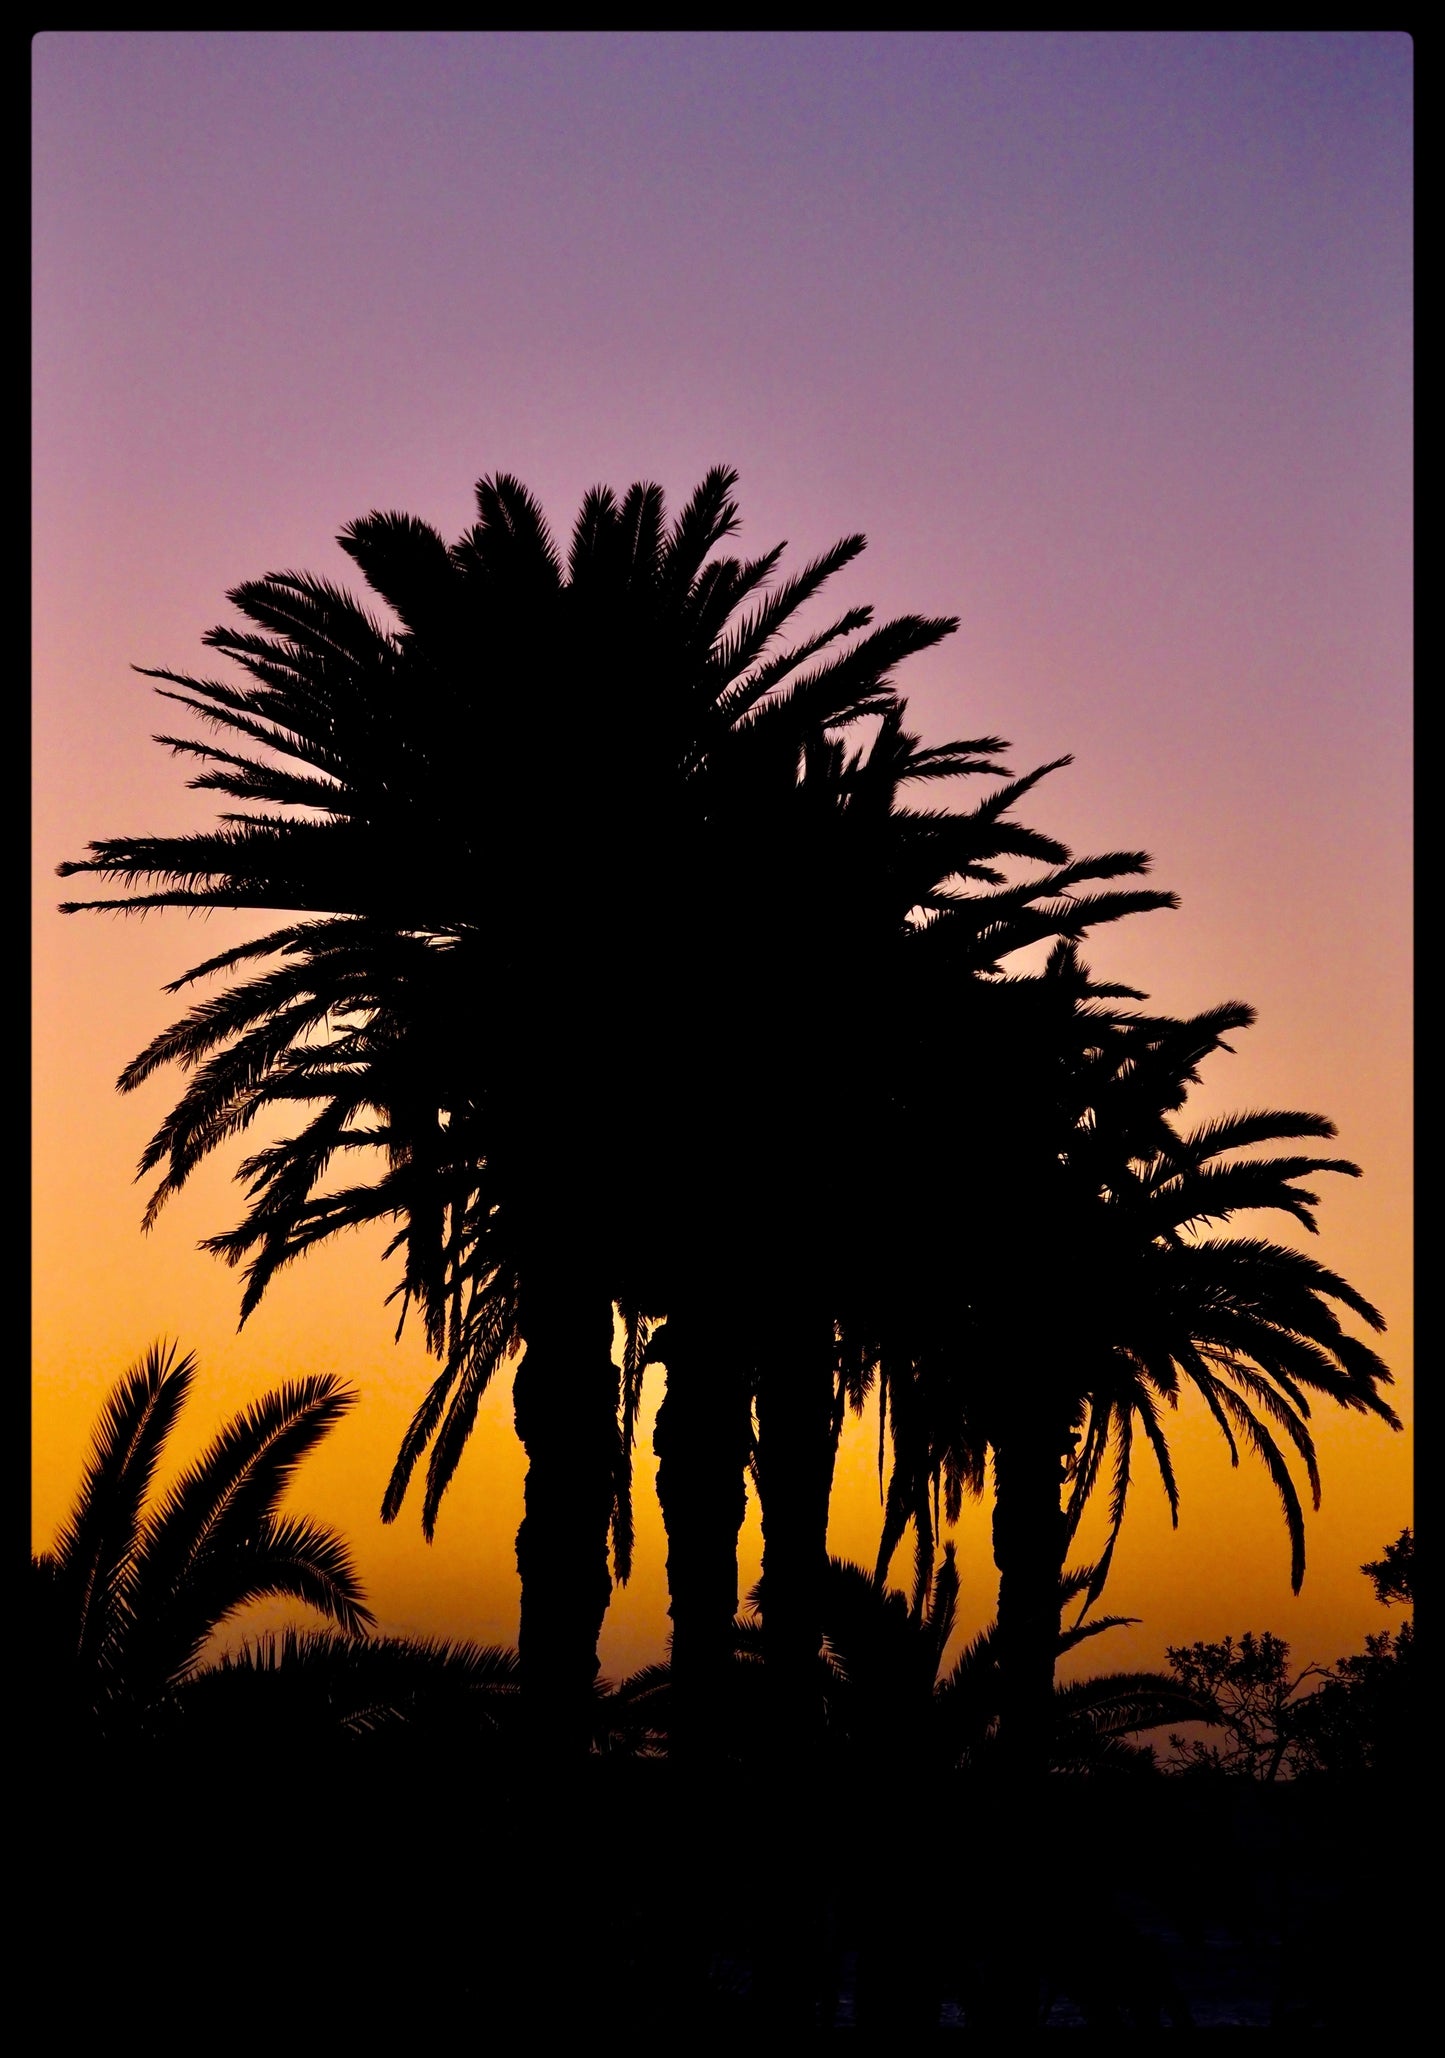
(1360,1716)
(1393,1575)
(1256,1698)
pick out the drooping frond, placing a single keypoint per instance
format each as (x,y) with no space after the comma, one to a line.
(420,1431)
(456,1426)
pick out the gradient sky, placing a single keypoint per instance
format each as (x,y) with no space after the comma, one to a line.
(1103,340)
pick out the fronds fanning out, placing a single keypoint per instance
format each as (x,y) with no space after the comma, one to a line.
(133,1590)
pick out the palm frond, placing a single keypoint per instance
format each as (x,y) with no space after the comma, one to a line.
(225,1497)
(96,1546)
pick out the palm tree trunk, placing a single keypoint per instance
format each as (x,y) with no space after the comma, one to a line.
(1030,1538)
(565,1398)
(702,1439)
(795,1471)
(795,1475)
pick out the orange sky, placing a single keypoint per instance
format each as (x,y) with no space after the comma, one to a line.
(1105,342)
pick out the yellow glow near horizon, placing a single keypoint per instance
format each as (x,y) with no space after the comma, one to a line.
(1105,342)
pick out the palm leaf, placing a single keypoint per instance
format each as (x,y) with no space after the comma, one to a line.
(95,1547)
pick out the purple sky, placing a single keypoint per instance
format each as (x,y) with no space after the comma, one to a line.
(1104,340)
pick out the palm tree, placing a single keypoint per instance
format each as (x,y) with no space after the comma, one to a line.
(424,811)
(1049,1308)
(1103,1303)
(314,1688)
(907,912)
(130,1594)
(933,924)
(859,879)
(891,1708)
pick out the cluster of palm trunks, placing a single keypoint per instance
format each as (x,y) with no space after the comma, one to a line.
(613,981)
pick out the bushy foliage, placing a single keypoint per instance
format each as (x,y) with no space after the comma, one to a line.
(1393,1575)
(1256,1701)
(1355,1716)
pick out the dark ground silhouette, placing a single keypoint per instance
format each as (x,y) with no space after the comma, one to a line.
(407,1896)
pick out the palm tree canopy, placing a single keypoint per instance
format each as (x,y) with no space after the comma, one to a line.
(131,1592)
(314,1686)
(1095,1297)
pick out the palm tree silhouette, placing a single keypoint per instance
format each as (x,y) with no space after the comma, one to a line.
(890,1705)
(1104,1304)
(867,878)
(423,794)
(934,926)
(313,1687)
(130,1594)
(1048,1307)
